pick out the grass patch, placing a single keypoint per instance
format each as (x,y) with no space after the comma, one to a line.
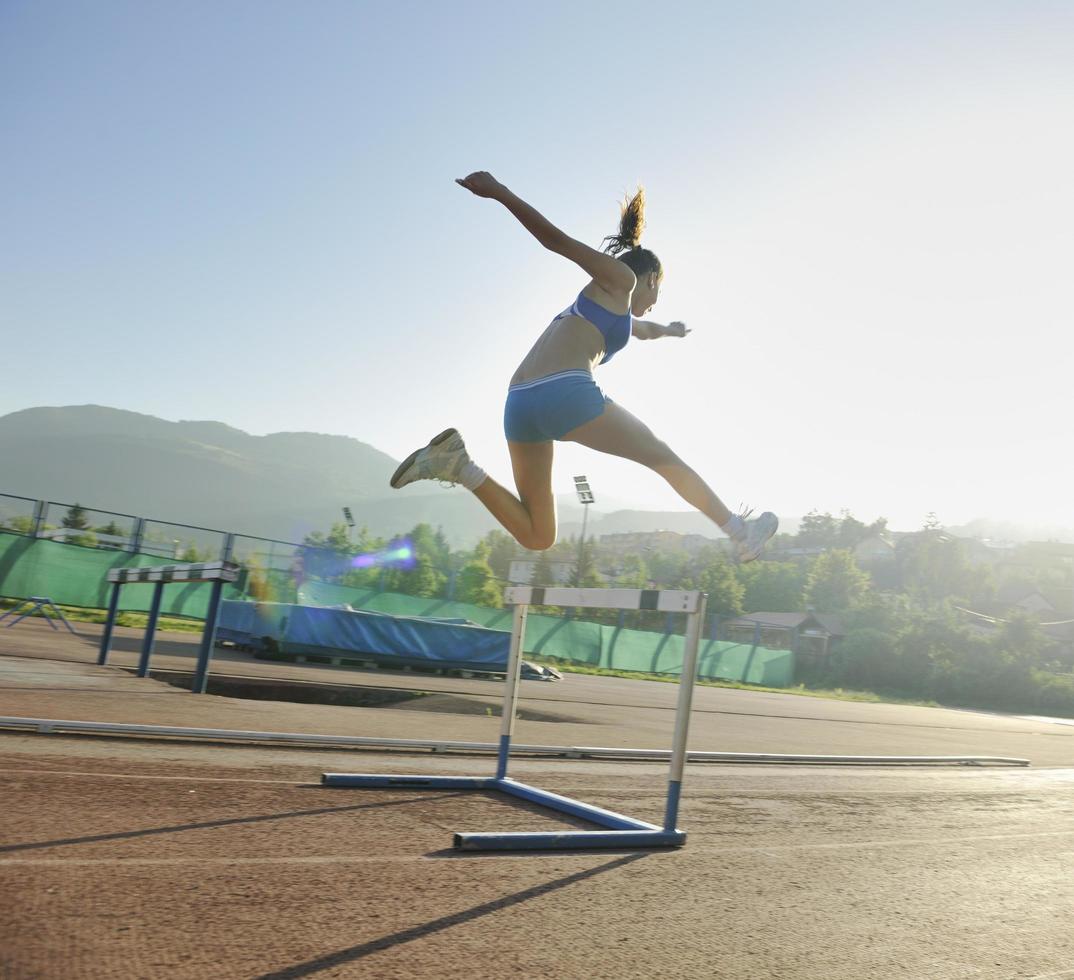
(833,694)
(76,614)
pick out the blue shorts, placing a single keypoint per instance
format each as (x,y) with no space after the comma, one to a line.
(550,407)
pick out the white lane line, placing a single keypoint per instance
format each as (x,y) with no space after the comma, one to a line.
(181,779)
(771,850)
(1048,776)
(184,861)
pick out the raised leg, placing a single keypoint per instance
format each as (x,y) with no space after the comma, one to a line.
(530,517)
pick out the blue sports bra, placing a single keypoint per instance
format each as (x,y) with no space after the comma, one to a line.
(613,327)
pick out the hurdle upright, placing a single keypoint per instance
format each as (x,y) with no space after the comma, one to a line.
(619,831)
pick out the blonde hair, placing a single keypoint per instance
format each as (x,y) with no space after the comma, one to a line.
(626,245)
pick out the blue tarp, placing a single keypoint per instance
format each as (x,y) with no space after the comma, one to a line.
(249,623)
(432,643)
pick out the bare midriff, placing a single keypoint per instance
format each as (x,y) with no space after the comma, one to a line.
(569,343)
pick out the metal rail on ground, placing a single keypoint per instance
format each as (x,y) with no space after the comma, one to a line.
(57,726)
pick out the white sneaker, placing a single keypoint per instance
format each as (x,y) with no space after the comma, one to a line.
(442,459)
(755,536)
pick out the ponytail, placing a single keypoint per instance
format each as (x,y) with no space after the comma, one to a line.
(627,244)
(631,224)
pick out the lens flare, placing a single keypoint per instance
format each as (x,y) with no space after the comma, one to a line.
(400,554)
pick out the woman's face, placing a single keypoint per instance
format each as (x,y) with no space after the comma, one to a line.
(645,294)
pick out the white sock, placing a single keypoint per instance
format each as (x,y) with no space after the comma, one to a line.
(735,527)
(472,476)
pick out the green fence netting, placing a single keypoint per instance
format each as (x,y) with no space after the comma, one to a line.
(72,575)
(593,644)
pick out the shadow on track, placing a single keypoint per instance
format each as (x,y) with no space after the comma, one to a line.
(343,956)
(231,821)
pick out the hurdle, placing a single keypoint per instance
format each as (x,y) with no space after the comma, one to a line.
(217,572)
(36,602)
(619,831)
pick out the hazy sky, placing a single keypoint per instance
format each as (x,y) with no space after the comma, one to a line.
(245,211)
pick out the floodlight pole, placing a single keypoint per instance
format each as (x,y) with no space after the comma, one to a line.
(585,498)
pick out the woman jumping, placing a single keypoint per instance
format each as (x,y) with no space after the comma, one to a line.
(552,395)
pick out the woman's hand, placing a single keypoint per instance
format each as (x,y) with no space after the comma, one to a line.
(481,183)
(676,329)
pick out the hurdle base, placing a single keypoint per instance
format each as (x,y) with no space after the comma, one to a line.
(583,839)
(355,780)
(619,830)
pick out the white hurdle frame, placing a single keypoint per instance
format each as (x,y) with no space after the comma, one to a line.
(621,831)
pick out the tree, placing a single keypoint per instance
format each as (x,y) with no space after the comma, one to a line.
(824,531)
(818,531)
(423,579)
(771,586)
(835,583)
(111,530)
(327,556)
(719,580)
(502,550)
(75,518)
(585,574)
(1021,639)
(429,544)
(633,572)
(542,570)
(934,568)
(477,584)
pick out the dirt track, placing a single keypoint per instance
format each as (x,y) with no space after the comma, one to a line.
(138,858)
(147,860)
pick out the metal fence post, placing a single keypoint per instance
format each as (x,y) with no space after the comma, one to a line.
(40,510)
(137,533)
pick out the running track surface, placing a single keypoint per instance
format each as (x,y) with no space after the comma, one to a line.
(138,858)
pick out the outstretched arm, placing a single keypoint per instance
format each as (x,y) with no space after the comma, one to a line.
(609,272)
(649,330)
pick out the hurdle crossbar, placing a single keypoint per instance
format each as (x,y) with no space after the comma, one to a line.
(618,831)
(216,572)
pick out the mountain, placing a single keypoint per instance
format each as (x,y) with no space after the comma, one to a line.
(281,485)
(986,529)
(209,474)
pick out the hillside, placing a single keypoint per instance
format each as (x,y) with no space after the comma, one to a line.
(210,474)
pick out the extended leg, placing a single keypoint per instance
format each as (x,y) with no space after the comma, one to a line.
(619,433)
